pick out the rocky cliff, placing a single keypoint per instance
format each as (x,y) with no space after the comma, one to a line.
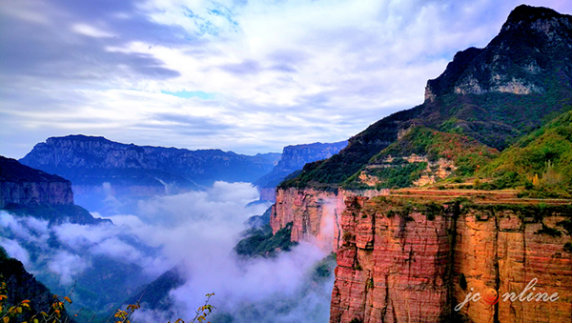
(23,185)
(315,214)
(92,161)
(493,95)
(415,257)
(27,191)
(293,158)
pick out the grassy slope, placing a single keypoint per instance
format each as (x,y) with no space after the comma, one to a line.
(467,154)
(530,156)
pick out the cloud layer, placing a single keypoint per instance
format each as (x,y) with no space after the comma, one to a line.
(195,231)
(250,76)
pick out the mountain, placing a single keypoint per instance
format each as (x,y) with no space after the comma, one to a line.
(494,95)
(92,161)
(293,158)
(497,118)
(109,177)
(27,191)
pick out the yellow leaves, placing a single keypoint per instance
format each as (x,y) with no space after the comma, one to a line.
(3,297)
(6,319)
(68,299)
(26,301)
(36,320)
(44,313)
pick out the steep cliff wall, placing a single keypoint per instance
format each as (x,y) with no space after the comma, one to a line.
(413,258)
(23,185)
(315,213)
(91,161)
(293,158)
(27,191)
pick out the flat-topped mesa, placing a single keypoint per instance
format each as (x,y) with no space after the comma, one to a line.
(415,257)
(92,161)
(23,185)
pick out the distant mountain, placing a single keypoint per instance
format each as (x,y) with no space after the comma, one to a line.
(92,161)
(495,95)
(294,157)
(27,191)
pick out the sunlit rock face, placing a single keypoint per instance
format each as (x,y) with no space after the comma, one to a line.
(410,259)
(315,214)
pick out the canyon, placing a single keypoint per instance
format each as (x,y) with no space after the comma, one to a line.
(415,254)
(412,255)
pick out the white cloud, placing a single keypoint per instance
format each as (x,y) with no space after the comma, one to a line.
(278,73)
(16,251)
(90,31)
(67,266)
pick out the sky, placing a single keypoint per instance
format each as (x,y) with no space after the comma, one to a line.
(246,76)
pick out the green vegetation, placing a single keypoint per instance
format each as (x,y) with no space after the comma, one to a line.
(467,154)
(549,231)
(3,254)
(539,162)
(262,242)
(324,268)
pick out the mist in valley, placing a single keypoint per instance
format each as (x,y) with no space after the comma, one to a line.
(192,234)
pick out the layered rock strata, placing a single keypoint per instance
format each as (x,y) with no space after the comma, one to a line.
(23,185)
(407,258)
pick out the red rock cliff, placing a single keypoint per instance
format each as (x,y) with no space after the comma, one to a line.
(315,214)
(413,259)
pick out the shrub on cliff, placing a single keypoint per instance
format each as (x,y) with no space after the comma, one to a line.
(540,161)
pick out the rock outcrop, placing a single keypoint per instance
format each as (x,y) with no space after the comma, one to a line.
(27,191)
(293,158)
(315,214)
(407,258)
(479,71)
(93,161)
(23,185)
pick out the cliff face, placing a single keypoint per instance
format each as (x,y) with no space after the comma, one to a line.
(315,214)
(411,259)
(293,158)
(494,95)
(91,161)
(479,71)
(23,185)
(27,191)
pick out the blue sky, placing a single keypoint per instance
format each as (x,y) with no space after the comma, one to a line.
(247,76)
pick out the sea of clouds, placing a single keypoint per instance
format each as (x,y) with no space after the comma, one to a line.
(195,231)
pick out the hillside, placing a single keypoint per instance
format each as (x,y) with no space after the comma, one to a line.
(21,285)
(494,95)
(293,158)
(540,162)
(422,156)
